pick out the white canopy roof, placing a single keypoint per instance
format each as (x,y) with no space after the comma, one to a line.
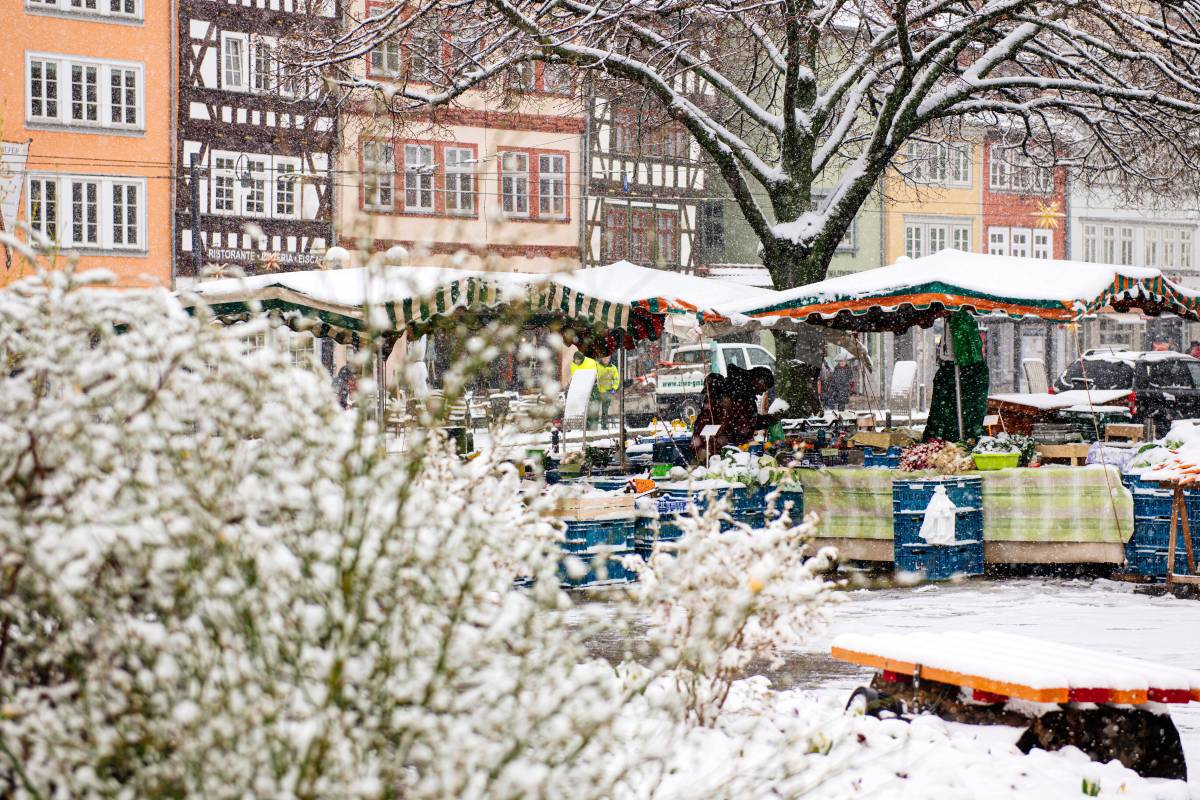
(916,291)
(339,297)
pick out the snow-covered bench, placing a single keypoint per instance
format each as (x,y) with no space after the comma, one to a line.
(1104,704)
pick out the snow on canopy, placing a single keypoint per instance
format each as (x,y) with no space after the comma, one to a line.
(918,291)
(611,296)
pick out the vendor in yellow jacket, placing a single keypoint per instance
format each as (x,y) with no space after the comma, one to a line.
(608,381)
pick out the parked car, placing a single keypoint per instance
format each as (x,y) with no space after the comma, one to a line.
(680,378)
(1163,386)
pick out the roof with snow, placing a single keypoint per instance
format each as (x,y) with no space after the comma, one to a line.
(918,291)
(342,303)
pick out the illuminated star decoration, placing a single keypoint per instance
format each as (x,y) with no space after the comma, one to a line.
(1048,215)
(270,262)
(218,271)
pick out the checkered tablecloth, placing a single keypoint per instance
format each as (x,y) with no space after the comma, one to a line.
(1070,504)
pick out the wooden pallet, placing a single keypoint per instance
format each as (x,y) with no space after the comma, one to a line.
(589,507)
(1074,453)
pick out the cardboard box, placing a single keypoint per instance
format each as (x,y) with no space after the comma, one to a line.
(882,439)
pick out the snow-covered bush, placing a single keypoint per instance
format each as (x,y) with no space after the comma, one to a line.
(719,602)
(213,582)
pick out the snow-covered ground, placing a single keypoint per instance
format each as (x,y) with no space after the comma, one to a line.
(1100,614)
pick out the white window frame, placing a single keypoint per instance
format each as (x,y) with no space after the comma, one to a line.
(263,78)
(37,201)
(375,173)
(237,199)
(86,104)
(242,83)
(997,241)
(286,178)
(76,212)
(103,8)
(1108,243)
(460,180)
(939,163)
(389,53)
(104,219)
(1152,246)
(960,237)
(64,107)
(1020,242)
(1126,251)
(420,179)
(1012,171)
(552,184)
(1091,243)
(223,177)
(111,221)
(258,168)
(1043,244)
(514,184)
(920,234)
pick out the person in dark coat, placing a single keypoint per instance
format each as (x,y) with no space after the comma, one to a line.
(841,384)
(731,401)
(345,383)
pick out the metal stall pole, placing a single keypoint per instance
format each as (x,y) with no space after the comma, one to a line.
(958,399)
(621,367)
(380,383)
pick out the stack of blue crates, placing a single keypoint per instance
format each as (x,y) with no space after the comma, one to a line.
(886,460)
(748,505)
(599,542)
(1146,550)
(910,498)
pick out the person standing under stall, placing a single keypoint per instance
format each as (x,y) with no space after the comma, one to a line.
(732,403)
(346,385)
(581,363)
(608,381)
(961,345)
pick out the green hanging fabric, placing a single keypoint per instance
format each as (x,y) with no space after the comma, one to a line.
(973,380)
(965,339)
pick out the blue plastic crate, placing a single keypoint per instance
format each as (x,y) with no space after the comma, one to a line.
(677,453)
(782,498)
(939,562)
(1150,501)
(914,494)
(618,532)
(906,527)
(602,569)
(1156,533)
(609,484)
(1151,562)
(873,461)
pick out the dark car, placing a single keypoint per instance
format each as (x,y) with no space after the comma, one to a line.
(1162,386)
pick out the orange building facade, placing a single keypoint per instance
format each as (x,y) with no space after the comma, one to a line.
(86,87)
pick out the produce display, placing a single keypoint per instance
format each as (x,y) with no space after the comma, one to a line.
(945,458)
(1008,443)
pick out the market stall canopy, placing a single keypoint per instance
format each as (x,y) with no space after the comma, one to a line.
(918,291)
(616,298)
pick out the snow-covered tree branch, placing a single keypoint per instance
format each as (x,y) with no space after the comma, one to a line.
(790,96)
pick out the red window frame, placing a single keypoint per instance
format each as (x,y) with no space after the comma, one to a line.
(399,207)
(535,214)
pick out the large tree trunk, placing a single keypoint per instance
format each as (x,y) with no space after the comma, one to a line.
(798,355)
(797,368)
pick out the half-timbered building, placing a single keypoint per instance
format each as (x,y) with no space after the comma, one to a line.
(647,197)
(491,180)
(262,138)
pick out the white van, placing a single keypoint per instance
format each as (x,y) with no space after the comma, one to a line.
(680,380)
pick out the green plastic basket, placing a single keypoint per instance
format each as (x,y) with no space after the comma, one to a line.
(987,461)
